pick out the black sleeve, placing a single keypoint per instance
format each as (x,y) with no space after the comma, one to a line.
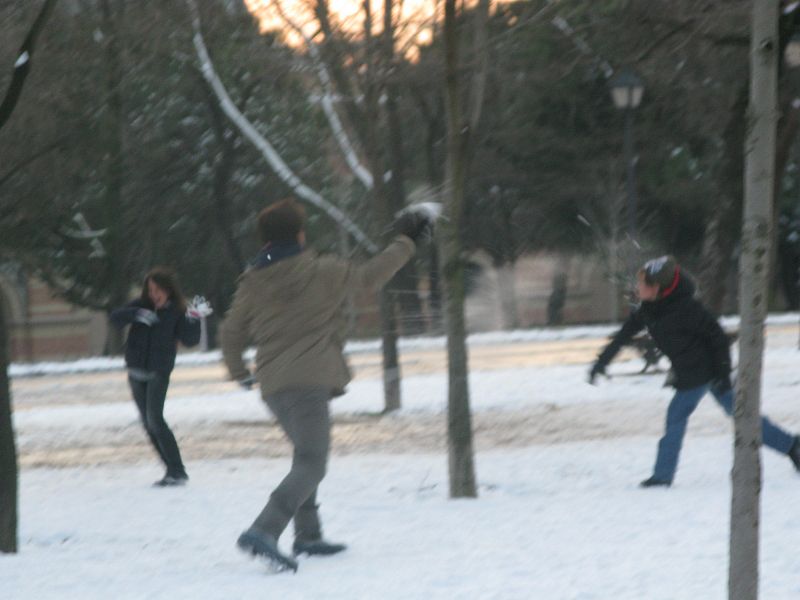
(125,314)
(630,328)
(187,330)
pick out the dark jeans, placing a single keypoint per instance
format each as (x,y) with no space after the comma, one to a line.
(149,397)
(680,409)
(303,415)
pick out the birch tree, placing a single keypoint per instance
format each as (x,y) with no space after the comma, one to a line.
(753,292)
(462,120)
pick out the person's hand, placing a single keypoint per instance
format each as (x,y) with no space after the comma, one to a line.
(146,317)
(248,382)
(413,224)
(199,308)
(595,371)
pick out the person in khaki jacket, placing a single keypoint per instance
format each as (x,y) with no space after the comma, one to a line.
(290,305)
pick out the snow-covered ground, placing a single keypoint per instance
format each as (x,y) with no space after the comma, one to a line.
(558,516)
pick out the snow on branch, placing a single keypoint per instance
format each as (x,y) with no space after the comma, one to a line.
(339,132)
(87,233)
(22,59)
(269,153)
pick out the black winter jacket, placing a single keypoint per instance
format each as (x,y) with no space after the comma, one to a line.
(153,347)
(685,331)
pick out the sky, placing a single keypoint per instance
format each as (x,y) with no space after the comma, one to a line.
(416,18)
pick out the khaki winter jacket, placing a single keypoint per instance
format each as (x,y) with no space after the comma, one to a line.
(293,313)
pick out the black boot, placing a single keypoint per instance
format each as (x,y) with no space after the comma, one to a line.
(265,545)
(316,547)
(794,453)
(654,482)
(172,480)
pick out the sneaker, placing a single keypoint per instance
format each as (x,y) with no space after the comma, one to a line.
(794,453)
(655,482)
(172,480)
(316,547)
(266,546)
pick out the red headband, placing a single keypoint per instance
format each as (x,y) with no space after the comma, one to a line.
(674,283)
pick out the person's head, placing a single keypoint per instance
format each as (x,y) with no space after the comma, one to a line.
(656,277)
(282,223)
(161,286)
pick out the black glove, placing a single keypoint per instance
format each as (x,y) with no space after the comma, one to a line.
(412,224)
(596,370)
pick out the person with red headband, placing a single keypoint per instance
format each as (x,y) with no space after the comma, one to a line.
(690,336)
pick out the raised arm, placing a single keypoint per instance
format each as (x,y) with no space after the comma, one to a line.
(187,330)
(379,269)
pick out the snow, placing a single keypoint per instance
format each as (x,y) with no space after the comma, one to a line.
(556,519)
(22,59)
(542,334)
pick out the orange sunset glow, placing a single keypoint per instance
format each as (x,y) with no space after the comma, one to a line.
(414,18)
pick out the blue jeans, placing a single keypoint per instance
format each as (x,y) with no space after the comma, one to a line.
(680,409)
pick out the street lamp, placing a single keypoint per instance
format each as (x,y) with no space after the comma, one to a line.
(626,91)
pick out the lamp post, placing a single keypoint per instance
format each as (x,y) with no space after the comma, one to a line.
(626,91)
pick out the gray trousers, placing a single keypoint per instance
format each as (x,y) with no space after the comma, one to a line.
(303,415)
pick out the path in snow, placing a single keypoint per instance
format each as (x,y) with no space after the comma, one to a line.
(522,394)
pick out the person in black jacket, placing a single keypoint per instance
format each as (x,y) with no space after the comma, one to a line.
(158,320)
(690,336)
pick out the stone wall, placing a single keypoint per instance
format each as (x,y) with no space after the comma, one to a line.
(44,327)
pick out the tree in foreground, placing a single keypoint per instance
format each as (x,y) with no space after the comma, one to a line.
(756,228)
(8,449)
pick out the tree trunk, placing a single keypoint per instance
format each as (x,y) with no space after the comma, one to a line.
(507,290)
(558,295)
(459,422)
(223,172)
(8,451)
(114,170)
(391,362)
(405,282)
(753,293)
(723,228)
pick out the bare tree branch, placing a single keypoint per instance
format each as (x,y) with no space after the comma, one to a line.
(328,93)
(267,150)
(22,65)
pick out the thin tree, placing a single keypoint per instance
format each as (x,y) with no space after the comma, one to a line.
(756,235)
(8,449)
(462,120)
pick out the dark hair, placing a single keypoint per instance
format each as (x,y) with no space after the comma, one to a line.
(659,271)
(165,278)
(281,222)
